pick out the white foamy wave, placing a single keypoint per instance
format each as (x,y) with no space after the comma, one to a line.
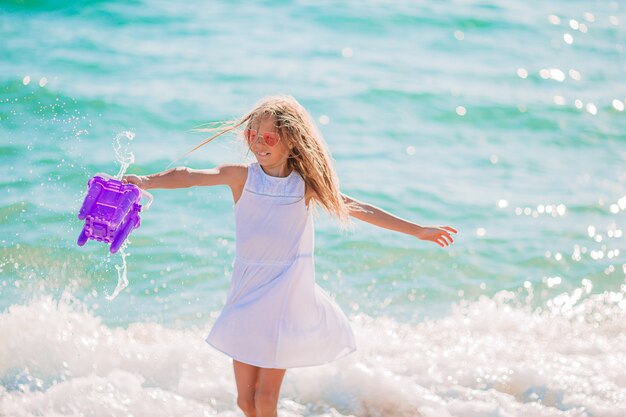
(490,357)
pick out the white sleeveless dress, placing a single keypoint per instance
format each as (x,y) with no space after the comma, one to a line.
(276,316)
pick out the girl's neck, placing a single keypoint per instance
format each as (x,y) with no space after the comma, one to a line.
(278,170)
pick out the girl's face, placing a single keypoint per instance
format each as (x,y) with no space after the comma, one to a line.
(271,156)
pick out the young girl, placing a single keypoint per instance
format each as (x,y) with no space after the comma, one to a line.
(276,316)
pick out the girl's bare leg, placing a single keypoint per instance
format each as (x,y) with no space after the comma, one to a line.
(246,377)
(267,391)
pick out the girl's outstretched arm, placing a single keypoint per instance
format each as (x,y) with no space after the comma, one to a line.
(183,177)
(378,217)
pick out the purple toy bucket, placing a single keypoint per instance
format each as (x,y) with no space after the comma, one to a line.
(110,210)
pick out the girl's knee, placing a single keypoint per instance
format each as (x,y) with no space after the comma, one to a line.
(265,402)
(247,405)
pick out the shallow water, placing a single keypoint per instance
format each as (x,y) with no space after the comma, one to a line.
(504,120)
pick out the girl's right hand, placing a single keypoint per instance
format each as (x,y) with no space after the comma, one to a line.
(139,181)
(440,235)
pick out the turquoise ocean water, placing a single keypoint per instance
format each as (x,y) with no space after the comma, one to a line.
(503,119)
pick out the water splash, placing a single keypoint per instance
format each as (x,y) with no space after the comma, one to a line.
(122,279)
(123,154)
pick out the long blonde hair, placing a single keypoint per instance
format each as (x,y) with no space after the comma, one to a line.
(309,156)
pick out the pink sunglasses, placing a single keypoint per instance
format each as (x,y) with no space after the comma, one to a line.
(270,138)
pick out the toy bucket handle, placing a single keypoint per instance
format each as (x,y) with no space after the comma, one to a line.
(149,197)
(144,193)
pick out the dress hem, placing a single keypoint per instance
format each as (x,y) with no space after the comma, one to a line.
(254,363)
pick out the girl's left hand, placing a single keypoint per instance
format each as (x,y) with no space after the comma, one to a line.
(139,181)
(439,235)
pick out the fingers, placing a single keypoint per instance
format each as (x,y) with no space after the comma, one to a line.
(438,235)
(452,229)
(131,179)
(444,240)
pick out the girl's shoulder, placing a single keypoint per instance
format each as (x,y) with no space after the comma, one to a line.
(236,174)
(236,167)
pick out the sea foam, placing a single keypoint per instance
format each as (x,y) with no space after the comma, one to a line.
(494,356)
